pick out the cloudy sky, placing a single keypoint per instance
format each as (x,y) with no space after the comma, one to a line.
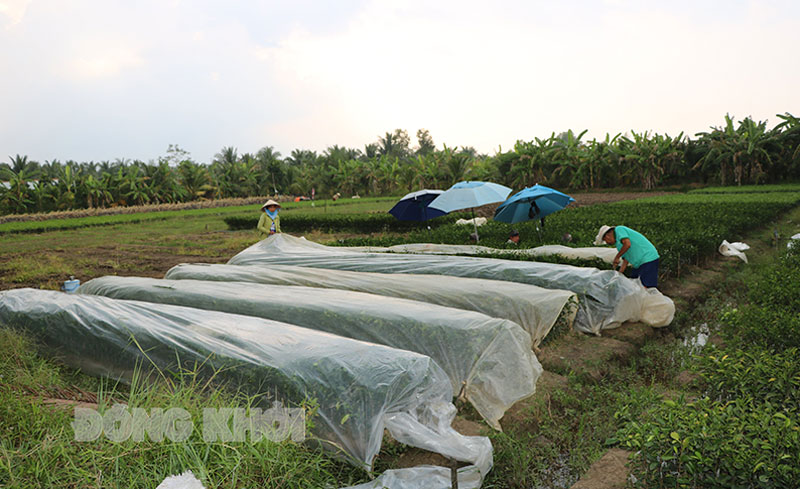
(106,79)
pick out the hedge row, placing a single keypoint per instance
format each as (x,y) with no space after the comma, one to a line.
(684,228)
(744,431)
(357,223)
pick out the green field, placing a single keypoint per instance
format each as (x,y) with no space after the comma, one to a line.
(679,409)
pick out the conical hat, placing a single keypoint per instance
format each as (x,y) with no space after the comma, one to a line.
(269,203)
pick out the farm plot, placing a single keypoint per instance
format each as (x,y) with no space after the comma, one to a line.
(476,351)
(536,309)
(361,388)
(685,228)
(606,298)
(743,430)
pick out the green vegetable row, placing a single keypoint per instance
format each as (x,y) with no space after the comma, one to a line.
(743,431)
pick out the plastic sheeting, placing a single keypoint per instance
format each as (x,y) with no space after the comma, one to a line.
(536,309)
(607,298)
(590,253)
(734,249)
(476,351)
(361,387)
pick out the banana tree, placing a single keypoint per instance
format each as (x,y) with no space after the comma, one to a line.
(744,150)
(135,187)
(97,194)
(568,155)
(456,164)
(194,178)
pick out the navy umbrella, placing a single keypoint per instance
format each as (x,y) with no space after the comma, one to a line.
(414,206)
(531,203)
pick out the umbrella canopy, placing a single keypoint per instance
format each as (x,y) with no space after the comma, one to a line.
(531,203)
(414,206)
(468,195)
(465,195)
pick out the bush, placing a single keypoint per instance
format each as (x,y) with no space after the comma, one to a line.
(357,223)
(768,327)
(715,445)
(758,373)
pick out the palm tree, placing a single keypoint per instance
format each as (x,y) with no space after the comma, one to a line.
(425,141)
(20,163)
(194,178)
(457,164)
(394,144)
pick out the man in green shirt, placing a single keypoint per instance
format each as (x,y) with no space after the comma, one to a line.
(632,248)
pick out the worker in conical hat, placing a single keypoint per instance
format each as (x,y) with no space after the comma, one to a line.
(270,221)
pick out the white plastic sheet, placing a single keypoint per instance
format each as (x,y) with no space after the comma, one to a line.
(534,308)
(476,351)
(589,253)
(361,387)
(734,249)
(607,298)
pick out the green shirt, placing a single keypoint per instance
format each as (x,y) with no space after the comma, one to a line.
(641,251)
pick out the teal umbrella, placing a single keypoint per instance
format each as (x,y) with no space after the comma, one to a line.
(531,203)
(469,195)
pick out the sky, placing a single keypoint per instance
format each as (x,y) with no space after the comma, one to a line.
(95,80)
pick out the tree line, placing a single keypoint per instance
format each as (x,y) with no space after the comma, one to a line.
(743,152)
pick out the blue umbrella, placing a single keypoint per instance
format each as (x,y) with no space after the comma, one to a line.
(531,203)
(464,195)
(414,206)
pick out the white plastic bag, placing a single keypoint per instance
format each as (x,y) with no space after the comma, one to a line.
(794,242)
(187,480)
(658,310)
(479,221)
(734,249)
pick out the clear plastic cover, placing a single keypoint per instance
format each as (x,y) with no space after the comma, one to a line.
(607,298)
(361,387)
(534,308)
(588,253)
(476,351)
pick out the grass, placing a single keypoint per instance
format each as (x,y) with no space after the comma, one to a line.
(788,187)
(38,449)
(21,269)
(377,204)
